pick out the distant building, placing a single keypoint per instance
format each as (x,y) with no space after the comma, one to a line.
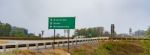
(123,35)
(139,33)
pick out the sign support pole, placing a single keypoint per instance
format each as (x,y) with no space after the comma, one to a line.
(54,40)
(68,39)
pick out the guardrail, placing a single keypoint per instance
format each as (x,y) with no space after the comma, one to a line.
(63,42)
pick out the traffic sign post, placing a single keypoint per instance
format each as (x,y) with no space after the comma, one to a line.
(61,23)
(68,31)
(53,44)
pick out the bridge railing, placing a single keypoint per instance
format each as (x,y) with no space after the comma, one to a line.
(63,42)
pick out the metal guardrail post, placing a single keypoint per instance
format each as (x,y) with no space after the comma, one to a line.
(45,45)
(88,40)
(76,42)
(83,41)
(79,42)
(63,43)
(16,46)
(27,46)
(72,43)
(4,48)
(97,40)
(91,41)
(37,46)
(58,44)
(52,43)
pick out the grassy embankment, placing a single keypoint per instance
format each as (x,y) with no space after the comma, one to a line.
(103,48)
(114,48)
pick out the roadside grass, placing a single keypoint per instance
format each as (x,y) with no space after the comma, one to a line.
(110,48)
(82,50)
(123,48)
(146,45)
(31,52)
(19,52)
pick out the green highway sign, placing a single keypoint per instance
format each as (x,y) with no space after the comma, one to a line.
(61,23)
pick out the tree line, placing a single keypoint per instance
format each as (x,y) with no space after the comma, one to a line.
(7,30)
(99,31)
(91,32)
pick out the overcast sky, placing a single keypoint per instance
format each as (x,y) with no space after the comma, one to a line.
(33,14)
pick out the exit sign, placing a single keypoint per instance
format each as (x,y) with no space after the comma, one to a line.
(61,23)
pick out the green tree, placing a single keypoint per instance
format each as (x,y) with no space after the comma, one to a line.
(18,32)
(90,32)
(148,32)
(5,29)
(1,29)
